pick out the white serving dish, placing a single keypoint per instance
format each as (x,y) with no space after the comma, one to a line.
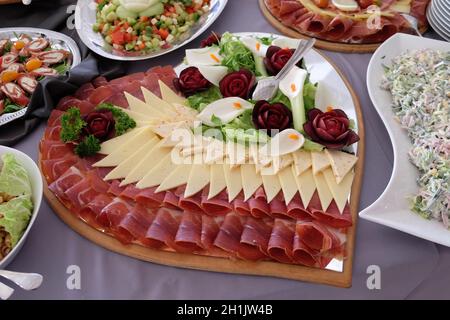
(37,189)
(392,208)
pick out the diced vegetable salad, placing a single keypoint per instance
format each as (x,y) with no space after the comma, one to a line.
(150,29)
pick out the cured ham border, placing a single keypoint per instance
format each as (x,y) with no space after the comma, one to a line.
(217,264)
(321,44)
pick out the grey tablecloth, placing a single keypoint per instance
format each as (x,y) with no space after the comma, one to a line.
(410,267)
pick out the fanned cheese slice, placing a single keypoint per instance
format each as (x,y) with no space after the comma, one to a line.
(403,6)
(176,178)
(217,180)
(324,192)
(126,149)
(198,179)
(302,161)
(320,161)
(126,166)
(288,184)
(137,116)
(251,181)
(112,145)
(306,186)
(146,164)
(340,191)
(233,180)
(170,96)
(341,163)
(158,173)
(137,105)
(311,6)
(271,185)
(156,103)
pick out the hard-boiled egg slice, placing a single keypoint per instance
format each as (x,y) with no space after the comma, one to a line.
(284,142)
(346,5)
(285,42)
(223,111)
(204,57)
(255,46)
(292,84)
(213,73)
(137,5)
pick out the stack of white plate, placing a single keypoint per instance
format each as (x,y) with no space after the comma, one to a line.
(438,15)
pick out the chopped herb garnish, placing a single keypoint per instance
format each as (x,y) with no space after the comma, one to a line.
(123,121)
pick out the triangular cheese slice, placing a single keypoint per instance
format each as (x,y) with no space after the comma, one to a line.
(157,103)
(323,190)
(112,145)
(126,166)
(251,181)
(170,96)
(217,180)
(176,178)
(271,185)
(341,163)
(341,191)
(198,179)
(302,161)
(233,180)
(288,184)
(157,173)
(146,164)
(137,116)
(306,185)
(137,105)
(320,161)
(126,149)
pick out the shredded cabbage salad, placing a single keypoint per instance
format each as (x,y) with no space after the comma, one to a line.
(419,82)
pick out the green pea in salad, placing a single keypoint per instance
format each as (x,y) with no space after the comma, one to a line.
(136,27)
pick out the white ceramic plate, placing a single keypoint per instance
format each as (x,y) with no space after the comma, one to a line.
(85,19)
(331,90)
(36,184)
(392,208)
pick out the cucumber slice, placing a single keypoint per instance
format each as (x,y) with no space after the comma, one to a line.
(154,10)
(138,5)
(124,13)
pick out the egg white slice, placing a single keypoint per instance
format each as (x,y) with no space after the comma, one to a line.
(209,56)
(284,42)
(292,84)
(226,110)
(345,5)
(213,73)
(284,142)
(255,46)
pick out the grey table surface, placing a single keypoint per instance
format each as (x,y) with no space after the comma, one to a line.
(411,268)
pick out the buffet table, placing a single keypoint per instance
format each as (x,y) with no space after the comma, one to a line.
(411,268)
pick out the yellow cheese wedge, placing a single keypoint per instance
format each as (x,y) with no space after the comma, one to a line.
(251,181)
(198,179)
(137,116)
(140,106)
(126,166)
(112,145)
(217,180)
(126,149)
(341,191)
(311,6)
(146,164)
(302,161)
(176,178)
(341,163)
(324,192)
(271,185)
(403,6)
(288,184)
(169,96)
(320,161)
(233,180)
(156,103)
(158,173)
(306,186)
(166,129)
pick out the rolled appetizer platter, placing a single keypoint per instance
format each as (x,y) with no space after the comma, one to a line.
(345,25)
(181,167)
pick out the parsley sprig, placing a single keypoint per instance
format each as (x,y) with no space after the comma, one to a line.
(123,120)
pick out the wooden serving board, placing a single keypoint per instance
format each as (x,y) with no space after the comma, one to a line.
(217,264)
(9,1)
(321,44)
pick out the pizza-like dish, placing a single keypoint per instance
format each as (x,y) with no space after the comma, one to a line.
(348,21)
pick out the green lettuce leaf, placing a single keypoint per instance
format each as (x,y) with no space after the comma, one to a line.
(281,98)
(312,146)
(309,95)
(14,179)
(235,54)
(15,215)
(200,100)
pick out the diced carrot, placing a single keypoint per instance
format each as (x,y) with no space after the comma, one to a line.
(144,19)
(164,33)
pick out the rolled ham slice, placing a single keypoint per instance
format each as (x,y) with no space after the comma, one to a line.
(281,240)
(316,236)
(255,238)
(28,83)
(189,234)
(17,67)
(164,229)
(217,205)
(37,45)
(44,71)
(136,223)
(52,56)
(8,59)
(15,93)
(3,44)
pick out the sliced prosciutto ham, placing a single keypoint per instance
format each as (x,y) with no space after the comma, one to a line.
(71,177)
(332,217)
(189,234)
(218,205)
(316,236)
(281,240)
(164,229)
(255,238)
(136,223)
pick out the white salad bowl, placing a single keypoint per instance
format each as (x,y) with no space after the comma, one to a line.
(393,207)
(37,189)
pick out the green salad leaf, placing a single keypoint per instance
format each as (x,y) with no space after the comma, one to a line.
(200,100)
(309,95)
(281,98)
(312,146)
(235,54)
(14,179)
(15,215)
